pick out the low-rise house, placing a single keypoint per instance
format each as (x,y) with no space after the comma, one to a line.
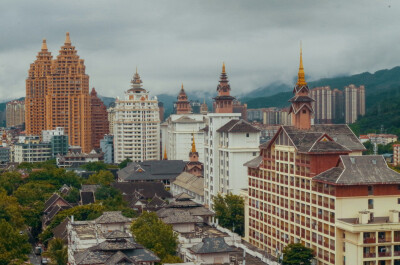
(99,240)
(189,184)
(164,171)
(74,158)
(212,250)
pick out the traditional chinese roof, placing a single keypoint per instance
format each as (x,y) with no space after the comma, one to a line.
(147,190)
(54,198)
(211,245)
(87,197)
(238,126)
(359,170)
(112,217)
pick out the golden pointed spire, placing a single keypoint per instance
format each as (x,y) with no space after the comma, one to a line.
(182,86)
(136,69)
(44,45)
(67,39)
(193,145)
(301,81)
(223,68)
(165,153)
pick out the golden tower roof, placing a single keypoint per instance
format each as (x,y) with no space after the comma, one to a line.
(193,145)
(44,45)
(301,81)
(223,68)
(165,153)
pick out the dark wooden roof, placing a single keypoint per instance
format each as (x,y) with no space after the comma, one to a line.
(238,126)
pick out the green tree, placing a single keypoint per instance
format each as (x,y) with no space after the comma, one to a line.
(57,252)
(124,163)
(297,254)
(13,246)
(10,210)
(34,191)
(153,234)
(10,181)
(95,166)
(105,192)
(103,177)
(229,210)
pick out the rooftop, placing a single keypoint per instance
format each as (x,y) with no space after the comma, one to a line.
(238,126)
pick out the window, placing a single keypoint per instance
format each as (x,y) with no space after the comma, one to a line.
(370,204)
(254,153)
(247,134)
(304,111)
(370,190)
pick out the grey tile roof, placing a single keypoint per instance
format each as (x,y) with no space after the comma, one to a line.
(91,187)
(181,217)
(360,170)
(211,245)
(119,258)
(183,196)
(60,231)
(116,234)
(116,244)
(190,182)
(301,99)
(146,189)
(343,138)
(112,217)
(238,126)
(254,163)
(55,197)
(152,170)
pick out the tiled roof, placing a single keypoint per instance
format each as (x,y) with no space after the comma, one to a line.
(146,189)
(190,182)
(181,217)
(116,234)
(152,170)
(91,187)
(49,203)
(183,196)
(60,231)
(238,126)
(360,170)
(212,245)
(87,197)
(112,217)
(119,258)
(254,163)
(343,139)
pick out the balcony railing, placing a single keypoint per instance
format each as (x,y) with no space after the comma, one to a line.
(384,254)
(369,255)
(369,240)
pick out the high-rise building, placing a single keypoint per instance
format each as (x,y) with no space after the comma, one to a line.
(15,113)
(228,140)
(322,104)
(111,118)
(30,149)
(136,125)
(36,91)
(354,102)
(312,185)
(58,141)
(338,110)
(107,147)
(100,124)
(57,95)
(67,97)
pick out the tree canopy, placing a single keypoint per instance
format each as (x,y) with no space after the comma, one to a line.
(57,252)
(153,234)
(229,210)
(297,254)
(124,163)
(103,177)
(13,246)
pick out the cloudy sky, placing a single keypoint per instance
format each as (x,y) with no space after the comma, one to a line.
(186,41)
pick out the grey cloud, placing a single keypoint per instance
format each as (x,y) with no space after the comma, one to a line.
(186,41)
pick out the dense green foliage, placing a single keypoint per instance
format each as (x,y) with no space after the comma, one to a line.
(153,234)
(124,163)
(103,177)
(57,252)
(95,166)
(383,111)
(295,254)
(229,210)
(13,246)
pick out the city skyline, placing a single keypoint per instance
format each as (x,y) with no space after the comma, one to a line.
(180,42)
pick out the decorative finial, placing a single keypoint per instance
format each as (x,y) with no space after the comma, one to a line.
(223,68)
(301,81)
(193,145)
(165,153)
(67,39)
(182,86)
(44,45)
(136,69)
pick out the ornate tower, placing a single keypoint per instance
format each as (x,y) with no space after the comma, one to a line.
(204,108)
(301,108)
(68,99)
(224,100)
(36,90)
(100,124)
(193,155)
(183,104)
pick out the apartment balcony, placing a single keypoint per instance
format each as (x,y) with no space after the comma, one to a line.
(384,254)
(370,240)
(384,240)
(396,253)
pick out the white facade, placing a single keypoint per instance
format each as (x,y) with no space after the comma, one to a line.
(47,134)
(30,149)
(136,125)
(178,132)
(225,154)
